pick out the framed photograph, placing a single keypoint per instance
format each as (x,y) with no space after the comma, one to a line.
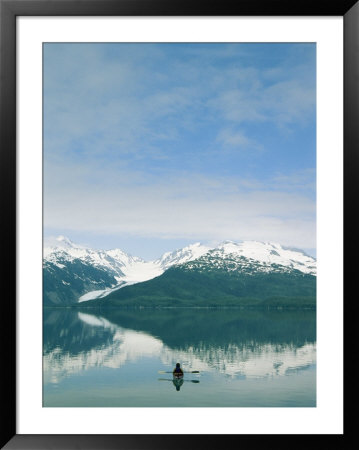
(173,180)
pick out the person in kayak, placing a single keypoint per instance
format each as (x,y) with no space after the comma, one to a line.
(177,371)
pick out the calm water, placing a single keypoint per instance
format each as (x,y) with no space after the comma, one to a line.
(245,357)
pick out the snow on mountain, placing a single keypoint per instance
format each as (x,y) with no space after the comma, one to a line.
(137,270)
(183,255)
(265,255)
(124,269)
(62,250)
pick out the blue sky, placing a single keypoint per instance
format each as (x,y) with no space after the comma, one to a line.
(150,147)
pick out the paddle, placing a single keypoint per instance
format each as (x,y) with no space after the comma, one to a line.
(192,371)
(167,379)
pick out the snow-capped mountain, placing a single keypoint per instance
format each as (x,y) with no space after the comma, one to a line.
(76,273)
(72,271)
(265,255)
(62,250)
(254,256)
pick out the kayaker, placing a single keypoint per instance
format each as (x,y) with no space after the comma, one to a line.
(177,371)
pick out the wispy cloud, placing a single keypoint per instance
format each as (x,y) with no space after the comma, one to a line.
(283,103)
(184,207)
(236,139)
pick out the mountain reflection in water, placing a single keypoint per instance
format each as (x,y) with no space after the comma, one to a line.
(237,343)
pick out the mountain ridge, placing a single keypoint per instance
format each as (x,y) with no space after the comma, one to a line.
(81,274)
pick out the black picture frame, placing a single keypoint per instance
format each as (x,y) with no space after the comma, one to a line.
(9,10)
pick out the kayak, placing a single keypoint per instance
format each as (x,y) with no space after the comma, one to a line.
(177,380)
(187,371)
